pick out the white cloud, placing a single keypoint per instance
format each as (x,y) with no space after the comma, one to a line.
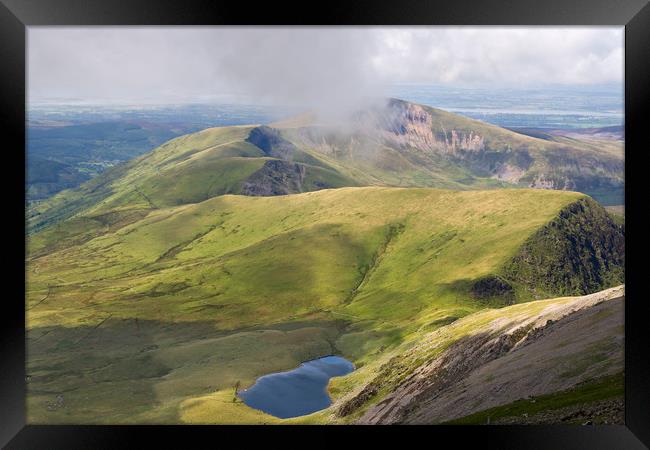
(311,66)
(504,55)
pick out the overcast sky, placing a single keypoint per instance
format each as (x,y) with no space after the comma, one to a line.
(308,66)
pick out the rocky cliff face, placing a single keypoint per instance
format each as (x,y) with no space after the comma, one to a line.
(567,169)
(427,137)
(406,125)
(275,178)
(271,143)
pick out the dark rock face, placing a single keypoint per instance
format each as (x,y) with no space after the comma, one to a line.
(275,178)
(293,171)
(581,251)
(271,143)
(491,287)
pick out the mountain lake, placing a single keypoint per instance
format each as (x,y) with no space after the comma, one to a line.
(297,392)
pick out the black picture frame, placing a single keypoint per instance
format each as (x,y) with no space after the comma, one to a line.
(16,15)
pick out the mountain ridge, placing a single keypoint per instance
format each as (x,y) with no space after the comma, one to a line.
(235,252)
(401,144)
(464,368)
(145,312)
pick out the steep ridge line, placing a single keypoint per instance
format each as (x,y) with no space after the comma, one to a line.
(415,390)
(400,143)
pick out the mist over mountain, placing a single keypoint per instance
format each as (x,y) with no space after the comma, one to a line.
(239,251)
(463,270)
(396,143)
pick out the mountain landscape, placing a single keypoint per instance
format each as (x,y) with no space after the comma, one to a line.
(496,365)
(470,272)
(397,144)
(68,144)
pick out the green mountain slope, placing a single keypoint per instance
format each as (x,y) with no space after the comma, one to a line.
(137,313)
(156,287)
(406,144)
(190,169)
(399,144)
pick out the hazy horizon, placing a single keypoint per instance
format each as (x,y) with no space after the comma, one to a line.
(312,67)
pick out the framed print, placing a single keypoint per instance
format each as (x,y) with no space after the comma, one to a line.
(332,220)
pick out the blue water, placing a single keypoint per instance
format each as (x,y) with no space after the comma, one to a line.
(297,392)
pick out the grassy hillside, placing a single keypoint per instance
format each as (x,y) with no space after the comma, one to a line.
(156,287)
(188,169)
(400,144)
(405,144)
(138,313)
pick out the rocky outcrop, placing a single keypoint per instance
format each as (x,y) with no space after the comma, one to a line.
(509,173)
(401,124)
(523,351)
(435,140)
(275,178)
(566,168)
(272,143)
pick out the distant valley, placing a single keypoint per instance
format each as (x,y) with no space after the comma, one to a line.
(63,157)
(70,144)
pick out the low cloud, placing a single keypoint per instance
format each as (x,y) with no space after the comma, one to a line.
(313,67)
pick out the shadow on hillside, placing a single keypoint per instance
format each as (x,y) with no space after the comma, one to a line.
(105,373)
(122,371)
